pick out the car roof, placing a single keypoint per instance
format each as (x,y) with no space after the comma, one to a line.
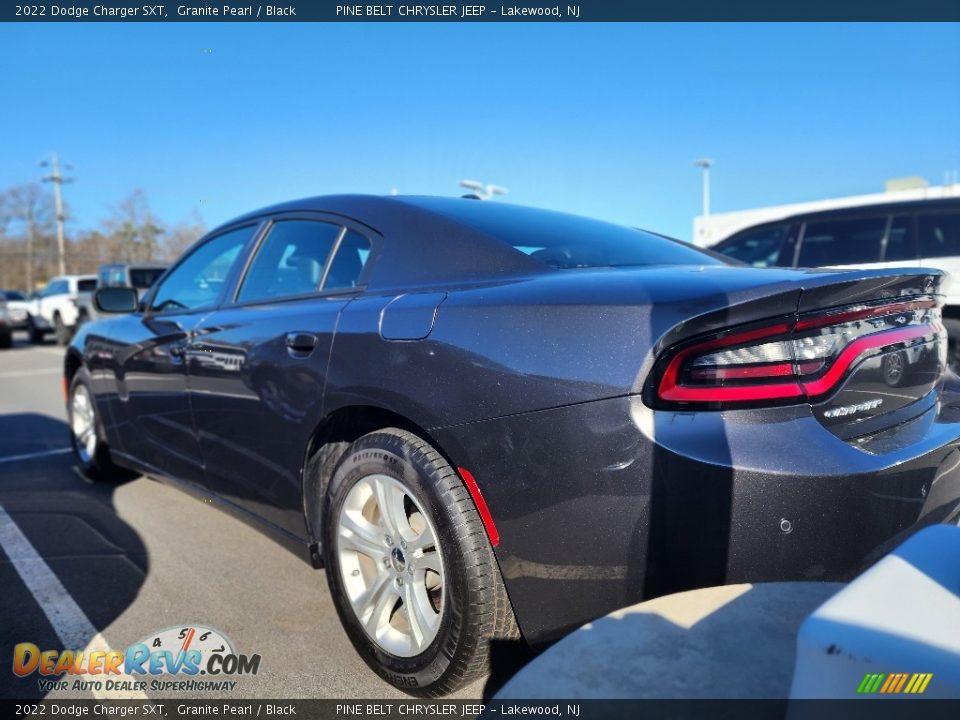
(878,208)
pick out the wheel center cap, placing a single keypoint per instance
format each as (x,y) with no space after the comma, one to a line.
(397,560)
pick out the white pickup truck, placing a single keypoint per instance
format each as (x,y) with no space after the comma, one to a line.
(55,308)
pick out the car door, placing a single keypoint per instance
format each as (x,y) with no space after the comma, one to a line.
(258,366)
(153,403)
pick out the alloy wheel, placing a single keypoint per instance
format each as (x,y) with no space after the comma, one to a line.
(391,565)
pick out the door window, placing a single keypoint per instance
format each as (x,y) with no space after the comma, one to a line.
(759,247)
(939,235)
(842,242)
(198,281)
(900,242)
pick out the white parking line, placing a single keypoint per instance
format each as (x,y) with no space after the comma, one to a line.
(69,622)
(28,373)
(31,456)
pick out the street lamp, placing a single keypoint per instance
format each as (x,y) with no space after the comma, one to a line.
(706,164)
(481,191)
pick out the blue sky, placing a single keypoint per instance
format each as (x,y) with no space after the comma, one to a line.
(604,120)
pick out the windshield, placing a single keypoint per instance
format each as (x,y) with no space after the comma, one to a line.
(12,295)
(144,278)
(567,241)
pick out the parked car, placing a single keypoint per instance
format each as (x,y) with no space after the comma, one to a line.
(55,308)
(6,324)
(18,306)
(904,234)
(491,422)
(141,277)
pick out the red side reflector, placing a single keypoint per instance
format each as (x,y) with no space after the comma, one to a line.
(481,504)
(66,388)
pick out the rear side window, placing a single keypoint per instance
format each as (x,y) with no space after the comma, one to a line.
(939,235)
(842,242)
(86,285)
(348,263)
(759,247)
(295,259)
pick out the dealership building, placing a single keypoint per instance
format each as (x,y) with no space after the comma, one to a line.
(711,229)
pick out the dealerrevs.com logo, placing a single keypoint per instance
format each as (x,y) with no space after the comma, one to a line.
(183,652)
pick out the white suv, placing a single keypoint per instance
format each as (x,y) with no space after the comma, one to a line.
(54,309)
(922,233)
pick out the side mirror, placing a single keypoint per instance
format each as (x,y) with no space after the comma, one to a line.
(113,300)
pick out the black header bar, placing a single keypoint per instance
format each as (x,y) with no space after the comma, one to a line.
(484,11)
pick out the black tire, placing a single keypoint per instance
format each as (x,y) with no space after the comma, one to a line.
(475,610)
(6,340)
(36,334)
(99,466)
(60,331)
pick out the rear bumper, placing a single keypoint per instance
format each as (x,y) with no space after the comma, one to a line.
(603,504)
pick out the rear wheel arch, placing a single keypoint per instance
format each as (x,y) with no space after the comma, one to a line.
(330,441)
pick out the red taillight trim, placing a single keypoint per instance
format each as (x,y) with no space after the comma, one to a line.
(481,504)
(669,388)
(857,348)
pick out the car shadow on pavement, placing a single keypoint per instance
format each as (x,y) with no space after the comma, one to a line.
(72,524)
(736,641)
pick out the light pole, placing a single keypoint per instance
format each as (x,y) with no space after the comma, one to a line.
(57,179)
(705,163)
(481,191)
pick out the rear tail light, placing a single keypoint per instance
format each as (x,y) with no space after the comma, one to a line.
(805,357)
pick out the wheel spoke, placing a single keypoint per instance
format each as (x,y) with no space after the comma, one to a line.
(380,616)
(367,600)
(424,540)
(360,536)
(430,561)
(390,502)
(417,606)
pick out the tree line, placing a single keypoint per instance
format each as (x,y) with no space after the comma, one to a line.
(130,233)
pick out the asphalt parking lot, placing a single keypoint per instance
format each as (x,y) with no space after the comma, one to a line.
(119,562)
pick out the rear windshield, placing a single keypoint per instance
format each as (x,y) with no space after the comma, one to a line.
(567,241)
(86,285)
(144,278)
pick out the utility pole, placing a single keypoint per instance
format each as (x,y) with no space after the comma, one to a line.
(706,164)
(58,180)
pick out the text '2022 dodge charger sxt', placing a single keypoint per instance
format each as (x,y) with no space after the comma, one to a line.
(491,422)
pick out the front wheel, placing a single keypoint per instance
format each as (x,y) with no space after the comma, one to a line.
(410,569)
(86,434)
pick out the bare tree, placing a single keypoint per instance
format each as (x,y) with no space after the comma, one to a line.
(28,211)
(133,230)
(181,236)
